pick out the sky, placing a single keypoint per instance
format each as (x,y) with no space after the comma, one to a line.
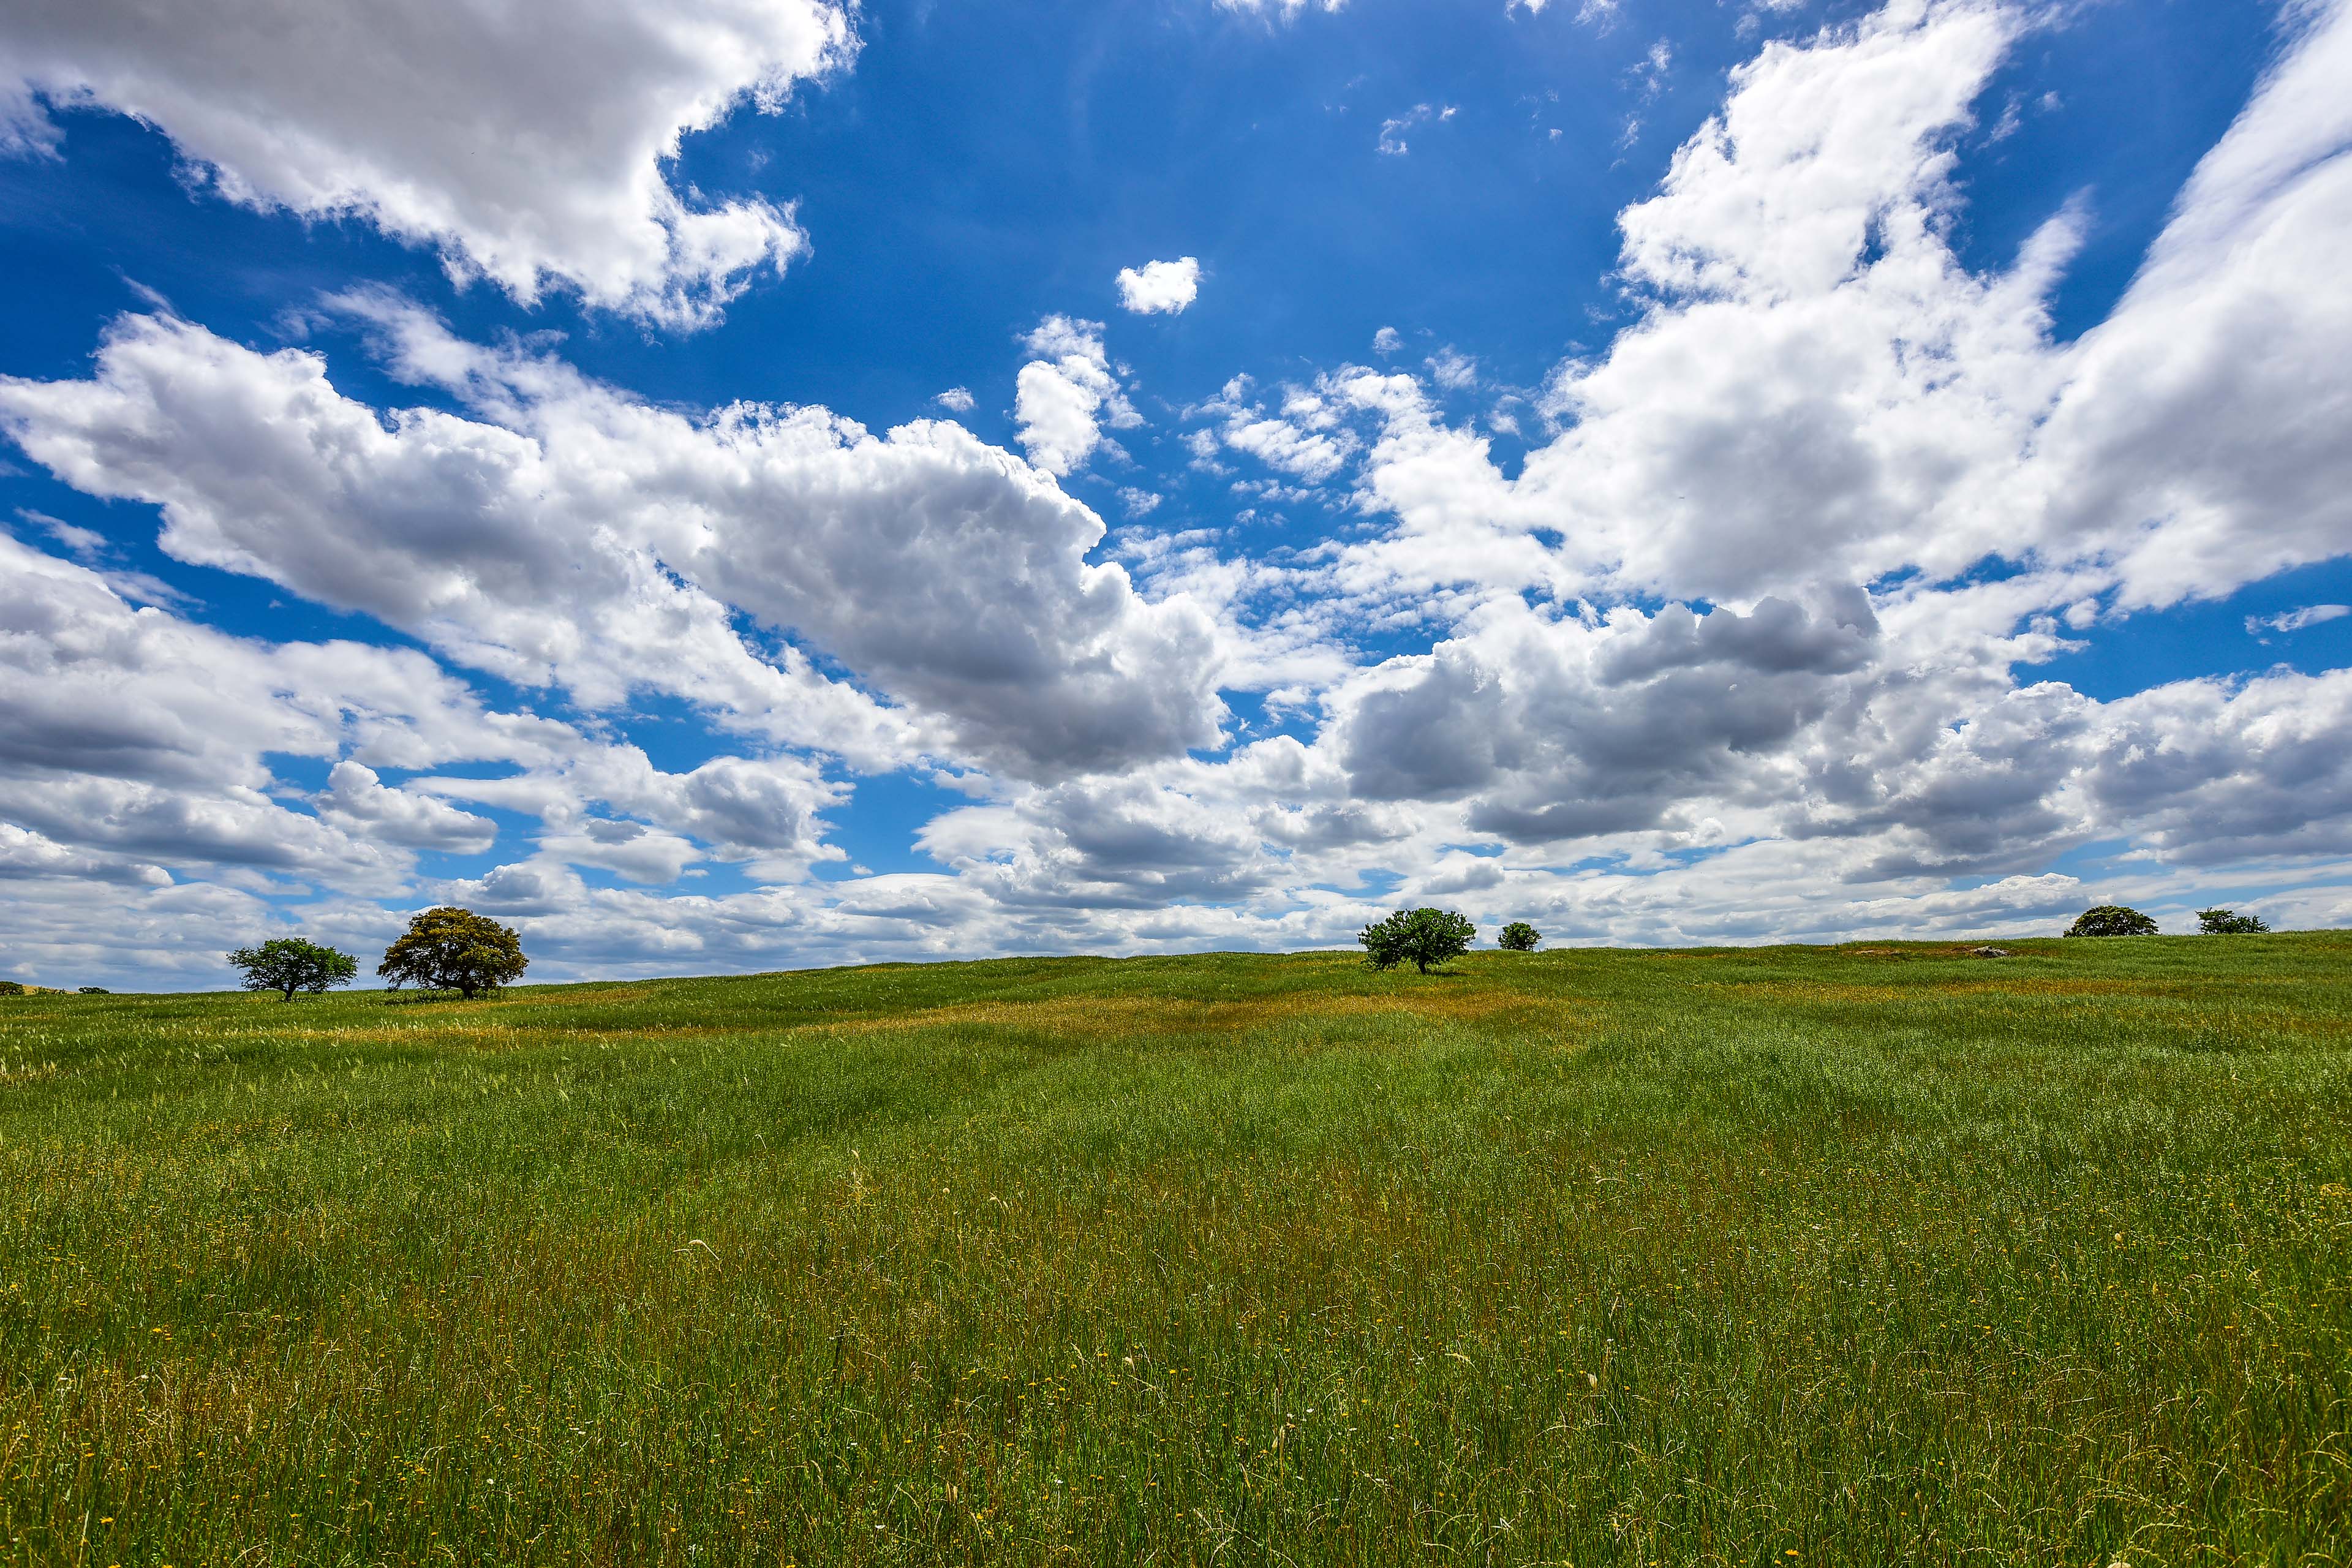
(736,485)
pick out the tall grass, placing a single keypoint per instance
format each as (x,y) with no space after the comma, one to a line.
(1855,1256)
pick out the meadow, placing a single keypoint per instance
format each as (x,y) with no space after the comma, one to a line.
(1877,1253)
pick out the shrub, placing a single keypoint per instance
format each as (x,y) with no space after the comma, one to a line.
(454,949)
(2229,922)
(290,964)
(1520,937)
(2112,920)
(1419,937)
(11,988)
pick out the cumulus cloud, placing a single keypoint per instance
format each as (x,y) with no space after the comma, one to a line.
(563,533)
(955,400)
(609,805)
(1062,398)
(26,854)
(1816,387)
(141,739)
(2211,772)
(525,142)
(1302,434)
(141,748)
(357,800)
(1161,286)
(1554,730)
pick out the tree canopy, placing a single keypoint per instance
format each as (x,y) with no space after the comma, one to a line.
(2112,920)
(291,963)
(2229,922)
(1419,937)
(449,949)
(1520,937)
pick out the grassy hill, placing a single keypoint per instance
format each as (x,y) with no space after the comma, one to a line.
(1799,1256)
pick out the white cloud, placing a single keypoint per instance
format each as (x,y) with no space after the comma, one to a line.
(1063,399)
(2295,620)
(139,738)
(1816,389)
(955,400)
(1278,10)
(86,544)
(610,806)
(25,854)
(1305,437)
(356,800)
(1775,196)
(1454,370)
(560,532)
(1161,287)
(1649,73)
(1391,137)
(1387,341)
(2196,437)
(525,142)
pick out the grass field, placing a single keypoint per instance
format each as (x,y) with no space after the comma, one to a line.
(1855,1256)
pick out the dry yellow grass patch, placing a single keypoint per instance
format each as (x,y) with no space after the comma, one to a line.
(1944,990)
(1183,1016)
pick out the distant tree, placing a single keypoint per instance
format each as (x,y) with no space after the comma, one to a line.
(288,964)
(1520,937)
(454,949)
(11,988)
(1419,937)
(94,990)
(2229,922)
(2112,920)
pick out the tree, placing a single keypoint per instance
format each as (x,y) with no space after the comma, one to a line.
(290,964)
(1418,937)
(2112,920)
(2229,922)
(1520,937)
(11,988)
(454,949)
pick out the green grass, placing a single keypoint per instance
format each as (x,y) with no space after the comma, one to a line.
(1793,1256)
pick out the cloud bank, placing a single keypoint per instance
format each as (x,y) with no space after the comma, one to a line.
(1744,644)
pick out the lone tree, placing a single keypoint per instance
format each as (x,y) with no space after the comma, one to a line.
(2229,922)
(290,964)
(1418,937)
(2112,920)
(453,950)
(1520,937)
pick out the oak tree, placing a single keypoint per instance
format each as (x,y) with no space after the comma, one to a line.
(449,949)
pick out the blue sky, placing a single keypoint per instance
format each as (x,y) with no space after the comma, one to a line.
(693,480)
